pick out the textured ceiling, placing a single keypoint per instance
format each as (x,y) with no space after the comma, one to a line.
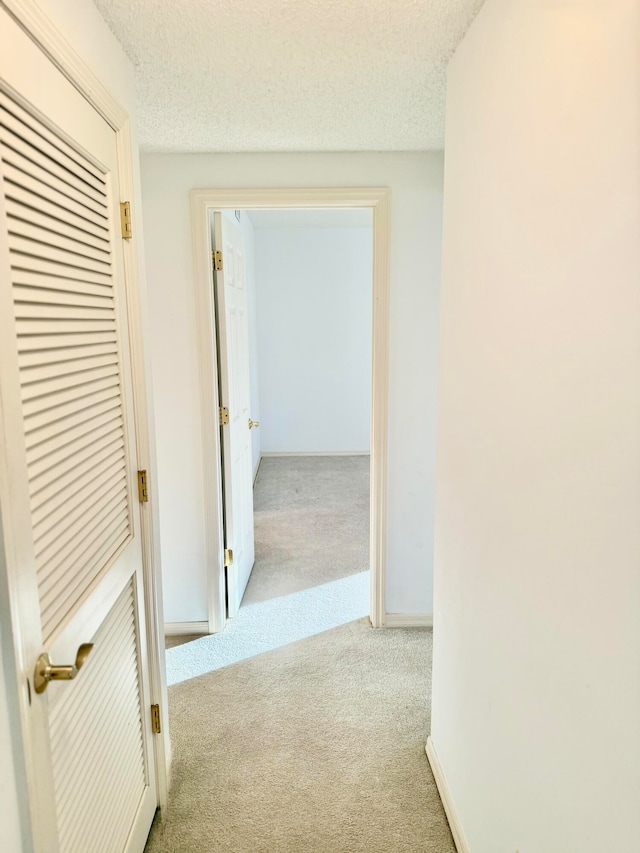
(290,75)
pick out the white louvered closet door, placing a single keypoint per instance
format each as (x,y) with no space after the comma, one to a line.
(70,511)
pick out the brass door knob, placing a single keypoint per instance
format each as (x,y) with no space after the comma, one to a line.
(46,671)
(253,424)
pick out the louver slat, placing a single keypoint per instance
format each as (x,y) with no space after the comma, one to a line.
(96,740)
(13,138)
(26,159)
(78,426)
(58,221)
(47,237)
(73,409)
(68,400)
(61,523)
(64,595)
(98,704)
(20,212)
(80,543)
(36,375)
(71,327)
(27,179)
(54,479)
(58,352)
(115,637)
(56,296)
(34,343)
(43,468)
(49,206)
(70,481)
(39,136)
(33,264)
(30,248)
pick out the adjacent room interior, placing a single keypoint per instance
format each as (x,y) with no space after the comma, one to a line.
(294,351)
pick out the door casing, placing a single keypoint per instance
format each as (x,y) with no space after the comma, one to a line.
(40,29)
(203,203)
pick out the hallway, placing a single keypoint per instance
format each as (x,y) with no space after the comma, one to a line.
(318,744)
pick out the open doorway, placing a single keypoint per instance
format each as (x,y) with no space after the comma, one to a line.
(236,207)
(293,310)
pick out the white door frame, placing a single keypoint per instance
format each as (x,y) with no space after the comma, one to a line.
(42,31)
(203,202)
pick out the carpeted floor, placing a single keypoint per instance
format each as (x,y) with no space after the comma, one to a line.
(317,746)
(311,523)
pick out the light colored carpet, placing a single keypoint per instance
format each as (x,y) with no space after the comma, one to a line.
(265,625)
(311,569)
(317,746)
(311,523)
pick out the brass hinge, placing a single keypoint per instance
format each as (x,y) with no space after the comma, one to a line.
(228,557)
(216,260)
(156,728)
(125,220)
(143,492)
(224,415)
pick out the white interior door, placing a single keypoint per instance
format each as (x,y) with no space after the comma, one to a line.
(70,515)
(233,346)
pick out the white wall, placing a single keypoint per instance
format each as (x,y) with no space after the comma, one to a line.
(83,27)
(415,181)
(536,674)
(314,290)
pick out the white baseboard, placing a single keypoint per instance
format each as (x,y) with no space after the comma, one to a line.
(316,453)
(180,629)
(408,620)
(459,839)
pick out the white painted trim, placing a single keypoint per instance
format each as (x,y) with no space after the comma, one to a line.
(408,620)
(33,20)
(145,451)
(275,453)
(181,629)
(202,203)
(459,839)
(41,29)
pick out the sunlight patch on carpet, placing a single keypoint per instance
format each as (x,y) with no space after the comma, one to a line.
(267,625)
